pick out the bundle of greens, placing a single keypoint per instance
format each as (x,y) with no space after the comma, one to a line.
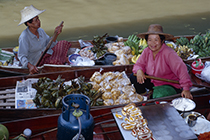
(200,44)
(133,43)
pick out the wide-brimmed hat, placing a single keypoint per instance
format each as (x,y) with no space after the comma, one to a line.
(28,13)
(155,29)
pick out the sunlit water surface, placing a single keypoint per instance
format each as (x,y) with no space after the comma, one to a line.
(85,18)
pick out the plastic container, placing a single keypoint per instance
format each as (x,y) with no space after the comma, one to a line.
(196,71)
(111,39)
(197,66)
(72,58)
(110,58)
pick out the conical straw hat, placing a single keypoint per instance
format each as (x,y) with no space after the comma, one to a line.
(28,13)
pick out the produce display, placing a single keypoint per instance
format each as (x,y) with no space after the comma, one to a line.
(116,88)
(95,51)
(183,51)
(137,45)
(122,52)
(200,44)
(99,47)
(134,121)
(7,62)
(51,92)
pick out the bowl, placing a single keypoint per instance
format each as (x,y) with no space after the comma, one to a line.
(110,58)
(111,39)
(183,104)
(73,57)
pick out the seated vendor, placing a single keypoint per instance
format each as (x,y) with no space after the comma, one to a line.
(161,61)
(33,41)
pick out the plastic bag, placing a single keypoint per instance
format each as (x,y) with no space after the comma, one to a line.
(162,91)
(83,61)
(205,74)
(84,44)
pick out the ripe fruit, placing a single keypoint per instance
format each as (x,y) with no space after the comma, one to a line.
(4,133)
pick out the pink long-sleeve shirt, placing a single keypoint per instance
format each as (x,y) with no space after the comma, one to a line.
(167,64)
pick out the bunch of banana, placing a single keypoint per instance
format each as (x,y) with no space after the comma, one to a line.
(142,45)
(133,43)
(184,51)
(135,58)
(172,45)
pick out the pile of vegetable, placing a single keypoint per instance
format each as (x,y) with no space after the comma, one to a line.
(98,45)
(51,92)
(6,58)
(200,44)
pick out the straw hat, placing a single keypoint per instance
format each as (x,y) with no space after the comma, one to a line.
(28,13)
(155,29)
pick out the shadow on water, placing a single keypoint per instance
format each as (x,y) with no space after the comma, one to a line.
(176,25)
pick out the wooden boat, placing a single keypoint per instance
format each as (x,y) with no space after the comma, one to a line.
(45,127)
(10,83)
(6,71)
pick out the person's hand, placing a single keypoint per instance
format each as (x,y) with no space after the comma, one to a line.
(58,29)
(32,69)
(186,94)
(140,76)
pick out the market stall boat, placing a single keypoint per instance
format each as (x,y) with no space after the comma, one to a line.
(10,83)
(45,127)
(6,71)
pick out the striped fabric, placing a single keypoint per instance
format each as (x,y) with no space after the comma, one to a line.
(59,54)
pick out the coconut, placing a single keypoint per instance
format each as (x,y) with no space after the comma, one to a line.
(4,133)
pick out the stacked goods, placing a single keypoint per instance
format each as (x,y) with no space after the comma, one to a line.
(137,46)
(95,51)
(183,51)
(134,121)
(142,46)
(51,92)
(6,58)
(122,52)
(98,46)
(200,44)
(116,88)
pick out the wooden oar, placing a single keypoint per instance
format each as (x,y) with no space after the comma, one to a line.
(48,46)
(170,81)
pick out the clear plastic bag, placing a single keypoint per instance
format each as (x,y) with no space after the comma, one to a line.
(83,61)
(84,44)
(205,74)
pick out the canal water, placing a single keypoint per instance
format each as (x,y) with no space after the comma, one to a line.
(85,18)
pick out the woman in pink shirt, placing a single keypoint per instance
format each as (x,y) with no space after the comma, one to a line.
(161,61)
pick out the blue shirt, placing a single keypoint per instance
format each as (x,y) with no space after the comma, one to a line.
(31,47)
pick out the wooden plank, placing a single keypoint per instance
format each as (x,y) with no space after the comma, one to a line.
(7,104)
(7,91)
(7,96)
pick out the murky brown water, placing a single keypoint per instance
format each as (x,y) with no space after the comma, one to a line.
(86,18)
